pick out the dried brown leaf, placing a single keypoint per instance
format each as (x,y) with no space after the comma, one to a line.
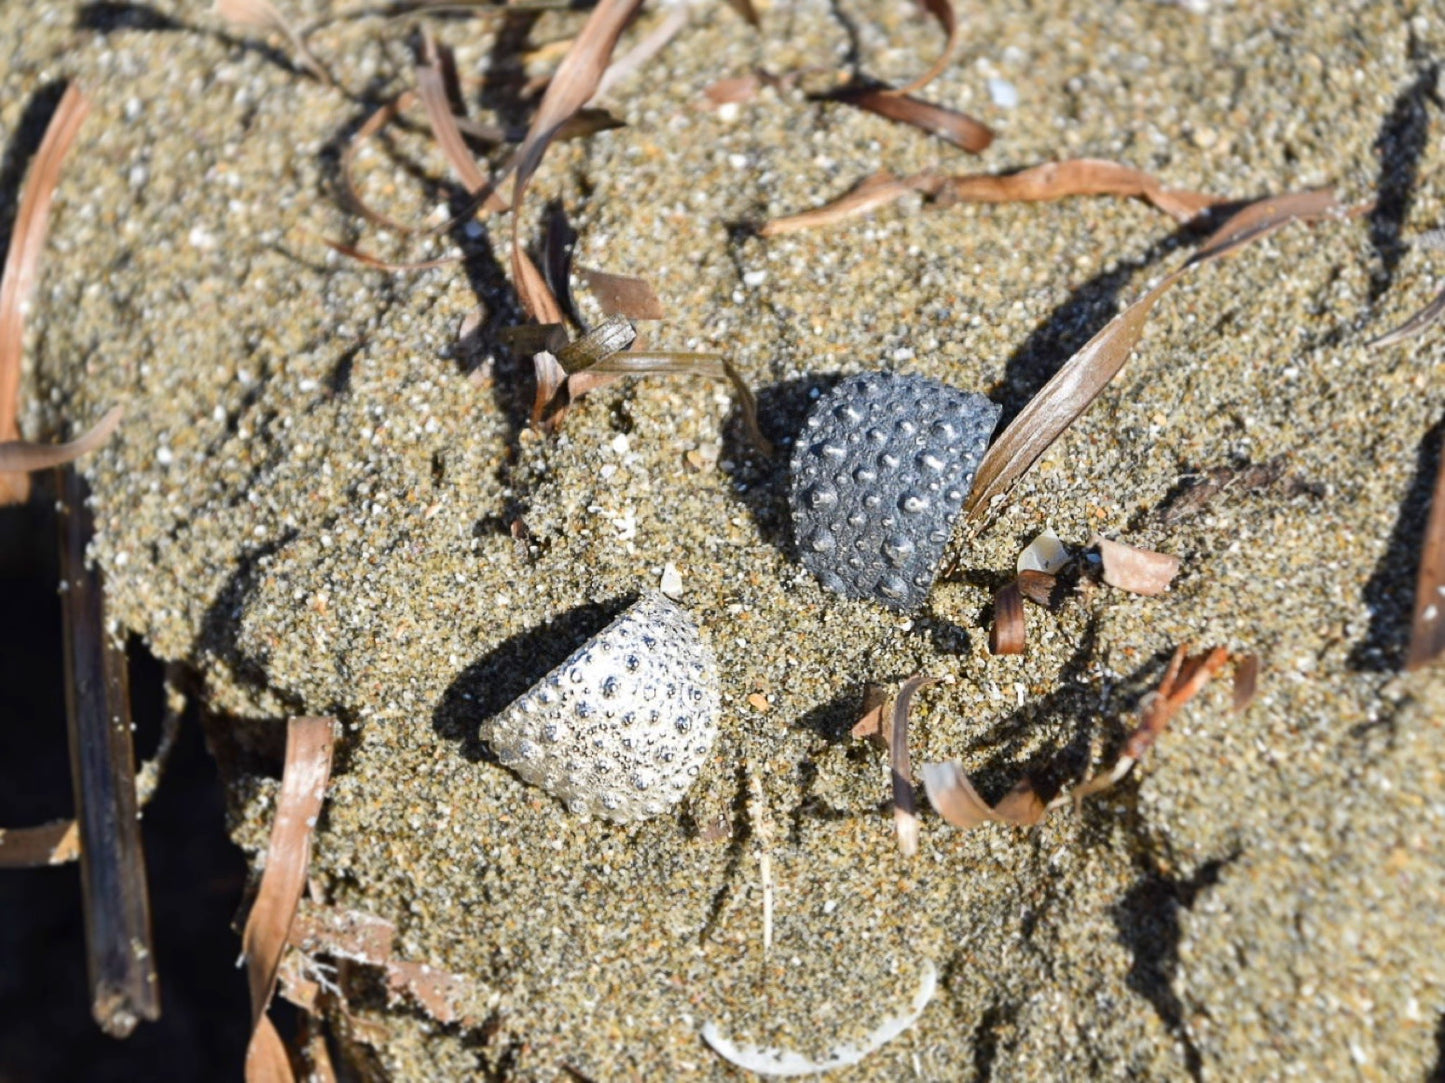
(550,378)
(1427,629)
(1246,681)
(950,125)
(953,797)
(905,808)
(1076,177)
(623,295)
(21,455)
(22,266)
(1139,571)
(1080,380)
(1009,631)
(1414,325)
(942,10)
(874,710)
(1041,588)
(431,86)
(573,84)
(55,843)
(742,88)
(309,743)
(873,192)
(262,15)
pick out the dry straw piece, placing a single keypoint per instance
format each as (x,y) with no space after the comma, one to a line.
(309,743)
(1139,571)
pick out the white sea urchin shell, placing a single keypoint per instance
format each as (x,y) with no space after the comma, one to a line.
(621,728)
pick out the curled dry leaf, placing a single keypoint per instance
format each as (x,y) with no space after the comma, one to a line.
(1139,571)
(262,15)
(905,809)
(1427,628)
(309,743)
(22,265)
(950,125)
(21,455)
(1186,675)
(954,798)
(1076,177)
(431,86)
(623,295)
(1085,375)
(941,10)
(1246,681)
(876,191)
(1009,630)
(1414,325)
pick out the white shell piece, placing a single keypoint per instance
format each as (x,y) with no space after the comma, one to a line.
(1046,553)
(780,1062)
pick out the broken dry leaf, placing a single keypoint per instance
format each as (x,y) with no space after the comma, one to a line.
(875,709)
(942,10)
(23,456)
(1076,177)
(623,295)
(22,265)
(1009,631)
(950,125)
(905,810)
(953,797)
(431,87)
(1041,588)
(1085,375)
(743,88)
(309,743)
(1246,681)
(1139,571)
(573,84)
(1427,628)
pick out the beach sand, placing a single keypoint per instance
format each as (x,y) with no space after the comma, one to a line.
(312,499)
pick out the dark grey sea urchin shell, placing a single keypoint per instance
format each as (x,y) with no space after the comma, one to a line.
(879,474)
(619,730)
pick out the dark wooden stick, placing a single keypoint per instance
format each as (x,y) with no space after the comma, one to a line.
(119,953)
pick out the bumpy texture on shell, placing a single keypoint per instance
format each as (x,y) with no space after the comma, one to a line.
(619,730)
(879,474)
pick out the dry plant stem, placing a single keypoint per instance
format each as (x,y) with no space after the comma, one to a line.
(1414,325)
(261,15)
(573,84)
(309,743)
(660,37)
(1085,375)
(431,85)
(22,264)
(1427,629)
(24,456)
(119,955)
(762,833)
(905,804)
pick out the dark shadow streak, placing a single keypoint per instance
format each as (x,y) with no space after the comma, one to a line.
(1400,146)
(1147,919)
(493,681)
(1390,593)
